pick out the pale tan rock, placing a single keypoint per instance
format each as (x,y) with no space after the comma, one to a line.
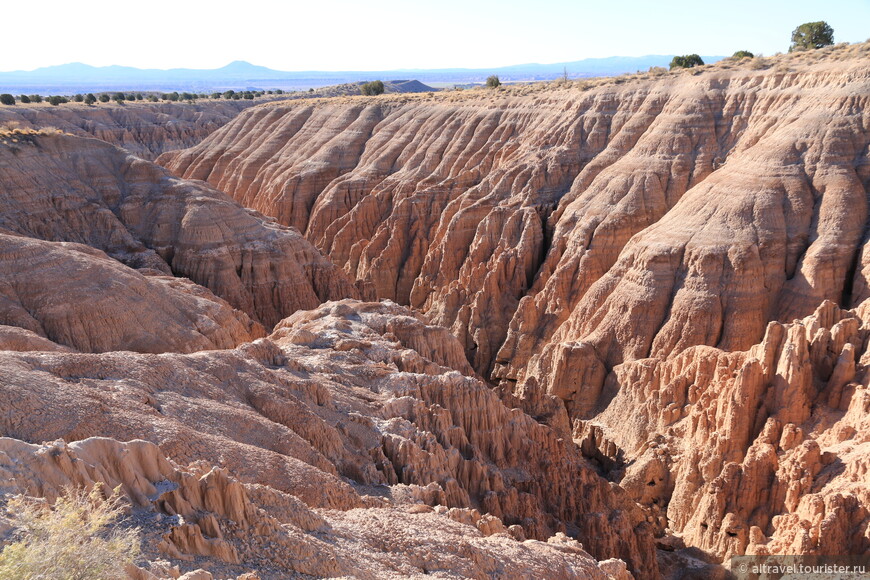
(507,217)
(743,450)
(301,417)
(16,338)
(144,129)
(62,294)
(65,188)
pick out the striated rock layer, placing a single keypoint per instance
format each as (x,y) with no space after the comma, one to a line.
(144,129)
(764,451)
(746,189)
(624,260)
(187,513)
(60,188)
(59,293)
(349,392)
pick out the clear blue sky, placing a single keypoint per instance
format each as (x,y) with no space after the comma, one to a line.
(391,34)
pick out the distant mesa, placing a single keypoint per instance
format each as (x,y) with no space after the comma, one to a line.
(78,77)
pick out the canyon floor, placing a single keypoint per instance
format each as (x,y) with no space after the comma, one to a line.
(612,328)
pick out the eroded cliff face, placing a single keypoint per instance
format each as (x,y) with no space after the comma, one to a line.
(624,263)
(144,129)
(348,392)
(763,451)
(55,294)
(744,184)
(61,188)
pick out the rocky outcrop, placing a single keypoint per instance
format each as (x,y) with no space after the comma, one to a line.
(144,129)
(60,293)
(506,216)
(184,513)
(63,188)
(761,451)
(625,262)
(362,391)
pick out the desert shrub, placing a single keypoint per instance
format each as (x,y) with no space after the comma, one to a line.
(657,70)
(131,97)
(35,98)
(104,98)
(229,94)
(7,99)
(76,538)
(686,61)
(811,35)
(119,98)
(24,99)
(279,91)
(372,88)
(79,98)
(493,81)
(56,100)
(215,95)
(153,99)
(90,99)
(742,54)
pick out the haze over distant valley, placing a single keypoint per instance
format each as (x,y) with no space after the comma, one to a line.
(78,77)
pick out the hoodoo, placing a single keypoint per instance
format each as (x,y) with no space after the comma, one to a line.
(585,329)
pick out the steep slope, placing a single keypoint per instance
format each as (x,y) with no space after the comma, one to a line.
(144,129)
(447,202)
(64,188)
(351,390)
(76,296)
(624,261)
(764,451)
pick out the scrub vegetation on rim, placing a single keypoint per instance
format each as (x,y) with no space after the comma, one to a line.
(607,328)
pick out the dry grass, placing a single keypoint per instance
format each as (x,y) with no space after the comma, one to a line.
(77,538)
(781,63)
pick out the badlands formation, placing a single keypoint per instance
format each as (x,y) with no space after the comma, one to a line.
(604,329)
(144,129)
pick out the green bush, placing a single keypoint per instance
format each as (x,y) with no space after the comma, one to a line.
(372,88)
(279,91)
(35,98)
(493,81)
(811,35)
(56,100)
(24,99)
(79,98)
(104,98)
(686,61)
(90,99)
(742,54)
(7,99)
(76,538)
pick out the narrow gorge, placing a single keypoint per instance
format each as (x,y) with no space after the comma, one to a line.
(608,328)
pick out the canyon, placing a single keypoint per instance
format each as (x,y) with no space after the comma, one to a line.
(593,329)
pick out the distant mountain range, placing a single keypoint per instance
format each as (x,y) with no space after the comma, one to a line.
(78,77)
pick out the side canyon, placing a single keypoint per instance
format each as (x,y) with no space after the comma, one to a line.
(597,329)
